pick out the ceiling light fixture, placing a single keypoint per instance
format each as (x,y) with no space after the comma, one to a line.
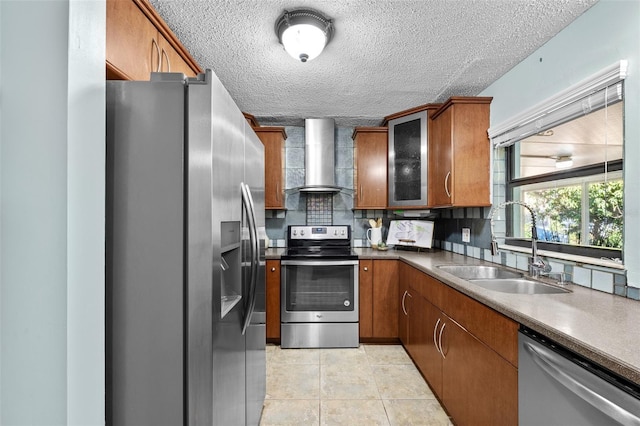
(564,162)
(304,33)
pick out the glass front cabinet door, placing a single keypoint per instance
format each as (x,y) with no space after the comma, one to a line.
(408,160)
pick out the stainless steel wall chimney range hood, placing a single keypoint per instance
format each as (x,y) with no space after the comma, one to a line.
(319,155)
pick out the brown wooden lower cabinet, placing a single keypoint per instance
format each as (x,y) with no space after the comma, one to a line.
(405,304)
(365,289)
(479,387)
(385,293)
(378,288)
(476,382)
(272,294)
(425,328)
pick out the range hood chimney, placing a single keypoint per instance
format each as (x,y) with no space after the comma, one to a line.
(319,155)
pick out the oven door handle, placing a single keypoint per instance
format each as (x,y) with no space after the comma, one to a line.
(247,201)
(318,262)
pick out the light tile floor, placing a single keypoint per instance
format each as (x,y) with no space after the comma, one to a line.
(370,385)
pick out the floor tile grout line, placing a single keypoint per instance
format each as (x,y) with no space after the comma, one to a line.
(372,362)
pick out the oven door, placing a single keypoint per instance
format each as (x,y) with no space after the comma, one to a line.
(319,291)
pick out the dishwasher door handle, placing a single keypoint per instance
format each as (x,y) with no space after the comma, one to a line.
(590,396)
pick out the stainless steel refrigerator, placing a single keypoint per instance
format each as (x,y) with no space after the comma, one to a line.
(185,255)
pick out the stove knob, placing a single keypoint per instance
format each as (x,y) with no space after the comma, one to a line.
(295,232)
(347,303)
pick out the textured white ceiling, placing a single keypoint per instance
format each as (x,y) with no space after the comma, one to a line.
(385,56)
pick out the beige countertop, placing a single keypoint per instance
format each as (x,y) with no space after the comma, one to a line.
(600,326)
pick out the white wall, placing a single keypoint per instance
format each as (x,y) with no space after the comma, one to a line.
(606,33)
(52,212)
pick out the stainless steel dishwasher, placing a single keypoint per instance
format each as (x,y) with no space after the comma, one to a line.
(559,387)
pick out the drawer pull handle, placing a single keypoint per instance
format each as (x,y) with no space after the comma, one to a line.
(440,340)
(435,342)
(446,184)
(406,293)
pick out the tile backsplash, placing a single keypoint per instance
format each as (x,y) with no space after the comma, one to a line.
(313,208)
(337,209)
(319,209)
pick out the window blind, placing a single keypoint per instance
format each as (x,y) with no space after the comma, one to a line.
(601,89)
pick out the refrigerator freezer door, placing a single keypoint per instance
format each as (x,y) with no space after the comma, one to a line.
(145,253)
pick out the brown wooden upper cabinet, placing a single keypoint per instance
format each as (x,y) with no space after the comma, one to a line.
(273,138)
(370,147)
(460,153)
(140,42)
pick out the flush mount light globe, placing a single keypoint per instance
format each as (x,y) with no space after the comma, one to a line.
(564,162)
(304,33)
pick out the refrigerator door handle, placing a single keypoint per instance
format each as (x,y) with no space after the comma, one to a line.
(591,396)
(247,201)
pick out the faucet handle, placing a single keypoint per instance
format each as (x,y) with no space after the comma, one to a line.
(538,267)
(494,248)
(539,263)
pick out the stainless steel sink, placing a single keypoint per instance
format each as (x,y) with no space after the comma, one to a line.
(500,279)
(480,272)
(518,286)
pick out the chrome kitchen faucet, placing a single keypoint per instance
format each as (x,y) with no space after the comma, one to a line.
(537,266)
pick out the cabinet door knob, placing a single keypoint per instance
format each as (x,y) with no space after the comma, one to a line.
(366,268)
(273,269)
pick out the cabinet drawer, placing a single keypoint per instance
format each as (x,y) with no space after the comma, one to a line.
(429,288)
(494,329)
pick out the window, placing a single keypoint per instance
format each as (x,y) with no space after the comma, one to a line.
(565,160)
(585,211)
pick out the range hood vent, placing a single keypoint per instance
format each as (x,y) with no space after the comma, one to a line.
(319,155)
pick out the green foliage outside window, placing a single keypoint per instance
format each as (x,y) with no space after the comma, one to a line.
(560,215)
(606,214)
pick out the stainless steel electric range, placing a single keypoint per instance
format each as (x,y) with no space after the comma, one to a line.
(319,285)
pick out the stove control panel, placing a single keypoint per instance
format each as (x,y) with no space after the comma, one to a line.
(330,232)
